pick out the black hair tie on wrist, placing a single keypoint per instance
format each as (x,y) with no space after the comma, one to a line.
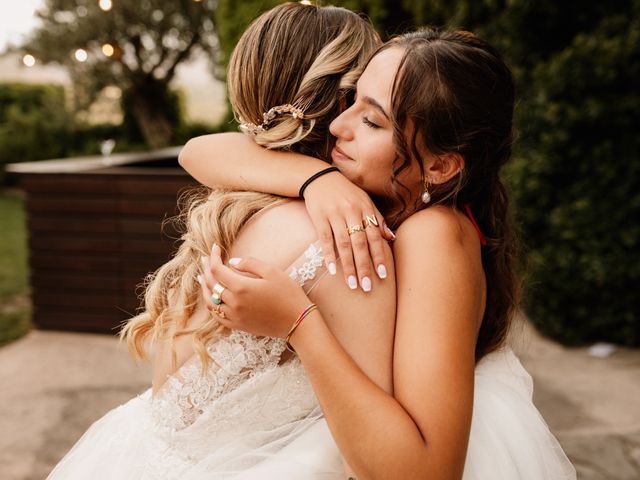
(313,177)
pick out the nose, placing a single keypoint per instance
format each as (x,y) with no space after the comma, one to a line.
(340,127)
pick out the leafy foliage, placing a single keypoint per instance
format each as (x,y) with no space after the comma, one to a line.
(577,184)
(34,123)
(14,285)
(148,39)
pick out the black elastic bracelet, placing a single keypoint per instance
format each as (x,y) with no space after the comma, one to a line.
(313,177)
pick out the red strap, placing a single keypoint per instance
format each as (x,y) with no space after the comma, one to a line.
(483,241)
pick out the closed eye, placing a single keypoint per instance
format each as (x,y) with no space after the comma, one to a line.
(369,123)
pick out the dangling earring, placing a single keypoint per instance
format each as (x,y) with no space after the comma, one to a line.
(426,196)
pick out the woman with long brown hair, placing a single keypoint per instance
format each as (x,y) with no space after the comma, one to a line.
(427,136)
(223,403)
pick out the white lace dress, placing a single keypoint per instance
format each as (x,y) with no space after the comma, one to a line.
(250,417)
(236,420)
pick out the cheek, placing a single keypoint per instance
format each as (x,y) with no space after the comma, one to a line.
(378,171)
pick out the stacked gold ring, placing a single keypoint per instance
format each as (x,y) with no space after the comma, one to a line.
(219,312)
(355,228)
(368,221)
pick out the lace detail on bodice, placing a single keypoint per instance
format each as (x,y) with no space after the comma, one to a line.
(235,359)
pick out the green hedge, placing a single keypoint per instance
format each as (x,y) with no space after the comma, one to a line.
(576,182)
(35,124)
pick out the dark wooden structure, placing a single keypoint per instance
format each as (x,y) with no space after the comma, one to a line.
(95,231)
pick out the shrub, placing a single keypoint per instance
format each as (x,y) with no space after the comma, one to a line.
(576,185)
(34,123)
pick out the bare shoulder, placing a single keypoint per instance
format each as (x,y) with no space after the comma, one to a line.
(437,223)
(279,234)
(438,257)
(438,231)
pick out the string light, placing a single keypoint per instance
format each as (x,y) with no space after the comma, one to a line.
(81,55)
(108,49)
(105,5)
(29,60)
(305,2)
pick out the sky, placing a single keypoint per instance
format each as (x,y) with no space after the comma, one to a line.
(16,20)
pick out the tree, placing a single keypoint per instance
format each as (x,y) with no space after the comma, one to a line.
(135,44)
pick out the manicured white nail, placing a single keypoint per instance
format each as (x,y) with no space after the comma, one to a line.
(382,271)
(353,282)
(234,261)
(366,284)
(332,268)
(388,230)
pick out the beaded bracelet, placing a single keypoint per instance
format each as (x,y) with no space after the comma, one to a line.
(313,177)
(298,321)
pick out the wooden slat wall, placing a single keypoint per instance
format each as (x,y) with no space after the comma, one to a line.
(93,236)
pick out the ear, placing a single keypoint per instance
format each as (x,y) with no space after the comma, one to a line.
(442,168)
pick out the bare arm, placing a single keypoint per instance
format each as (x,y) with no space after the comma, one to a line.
(423,431)
(233,160)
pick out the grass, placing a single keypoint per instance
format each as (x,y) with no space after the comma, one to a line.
(15,310)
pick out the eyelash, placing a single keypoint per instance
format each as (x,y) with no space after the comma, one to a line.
(369,123)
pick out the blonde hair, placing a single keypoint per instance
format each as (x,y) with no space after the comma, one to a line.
(303,55)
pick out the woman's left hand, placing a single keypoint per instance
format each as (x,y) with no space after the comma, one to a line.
(266,303)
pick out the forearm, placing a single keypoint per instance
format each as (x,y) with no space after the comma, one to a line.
(234,161)
(373,431)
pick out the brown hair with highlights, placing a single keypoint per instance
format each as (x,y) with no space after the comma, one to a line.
(453,93)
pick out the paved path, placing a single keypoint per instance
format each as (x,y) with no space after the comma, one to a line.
(55,384)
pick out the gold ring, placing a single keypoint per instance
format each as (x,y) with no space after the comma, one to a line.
(355,228)
(219,312)
(370,221)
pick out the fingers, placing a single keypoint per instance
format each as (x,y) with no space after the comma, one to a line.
(325,235)
(221,311)
(387,232)
(206,293)
(228,278)
(361,255)
(343,244)
(376,245)
(206,272)
(252,265)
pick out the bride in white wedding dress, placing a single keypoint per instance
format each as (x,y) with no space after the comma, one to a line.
(227,404)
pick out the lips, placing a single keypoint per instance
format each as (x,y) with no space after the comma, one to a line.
(338,154)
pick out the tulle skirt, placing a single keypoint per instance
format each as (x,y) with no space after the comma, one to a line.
(509,441)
